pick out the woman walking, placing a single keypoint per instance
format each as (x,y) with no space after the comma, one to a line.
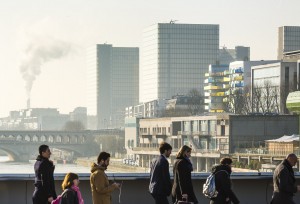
(182,186)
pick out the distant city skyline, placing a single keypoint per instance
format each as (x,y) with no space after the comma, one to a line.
(27,27)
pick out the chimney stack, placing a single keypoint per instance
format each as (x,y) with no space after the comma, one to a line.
(28,103)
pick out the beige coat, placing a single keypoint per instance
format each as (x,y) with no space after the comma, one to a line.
(101,190)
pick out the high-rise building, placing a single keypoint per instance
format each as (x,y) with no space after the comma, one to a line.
(112,84)
(175,58)
(239,53)
(288,40)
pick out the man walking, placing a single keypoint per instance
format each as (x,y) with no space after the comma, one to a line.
(101,189)
(160,183)
(284,181)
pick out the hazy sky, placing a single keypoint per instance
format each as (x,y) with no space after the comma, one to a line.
(69,26)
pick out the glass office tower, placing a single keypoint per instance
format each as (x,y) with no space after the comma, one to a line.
(288,40)
(175,58)
(112,84)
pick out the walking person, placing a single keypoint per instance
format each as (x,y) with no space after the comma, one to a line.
(160,183)
(284,181)
(182,186)
(223,183)
(70,186)
(101,189)
(44,191)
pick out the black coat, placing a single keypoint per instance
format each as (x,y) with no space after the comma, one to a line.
(44,181)
(69,197)
(183,180)
(160,182)
(284,184)
(223,185)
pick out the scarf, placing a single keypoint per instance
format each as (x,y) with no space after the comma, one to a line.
(76,188)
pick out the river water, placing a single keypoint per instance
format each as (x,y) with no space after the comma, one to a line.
(7,167)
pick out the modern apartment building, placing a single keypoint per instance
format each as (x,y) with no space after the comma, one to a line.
(112,84)
(217,83)
(288,40)
(175,58)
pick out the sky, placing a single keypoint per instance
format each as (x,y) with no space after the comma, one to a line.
(43,42)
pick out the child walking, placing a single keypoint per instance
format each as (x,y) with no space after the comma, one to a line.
(71,193)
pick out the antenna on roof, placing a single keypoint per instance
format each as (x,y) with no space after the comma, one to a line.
(173,21)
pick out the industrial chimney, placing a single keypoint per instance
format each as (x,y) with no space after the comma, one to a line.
(28,103)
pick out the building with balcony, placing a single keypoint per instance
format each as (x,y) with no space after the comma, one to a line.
(211,136)
(217,83)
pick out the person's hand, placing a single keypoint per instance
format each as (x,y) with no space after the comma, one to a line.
(298,188)
(227,199)
(50,199)
(116,185)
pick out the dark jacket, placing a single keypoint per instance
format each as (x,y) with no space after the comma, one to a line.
(69,197)
(183,180)
(160,182)
(223,185)
(44,180)
(284,184)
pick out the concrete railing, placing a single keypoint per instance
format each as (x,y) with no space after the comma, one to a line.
(249,187)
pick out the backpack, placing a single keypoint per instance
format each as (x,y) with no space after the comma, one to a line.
(209,188)
(59,198)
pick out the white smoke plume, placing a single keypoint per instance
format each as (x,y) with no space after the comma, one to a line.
(37,52)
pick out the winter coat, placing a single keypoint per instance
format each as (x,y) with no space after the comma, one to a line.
(183,180)
(160,182)
(223,185)
(69,197)
(100,187)
(284,184)
(44,180)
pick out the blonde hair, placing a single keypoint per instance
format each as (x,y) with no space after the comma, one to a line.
(183,150)
(68,180)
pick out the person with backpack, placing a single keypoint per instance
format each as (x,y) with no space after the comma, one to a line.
(222,174)
(182,186)
(71,193)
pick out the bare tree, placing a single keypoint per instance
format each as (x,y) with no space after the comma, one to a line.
(73,126)
(247,108)
(195,102)
(257,99)
(235,101)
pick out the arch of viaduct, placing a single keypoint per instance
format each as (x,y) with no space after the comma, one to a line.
(23,145)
